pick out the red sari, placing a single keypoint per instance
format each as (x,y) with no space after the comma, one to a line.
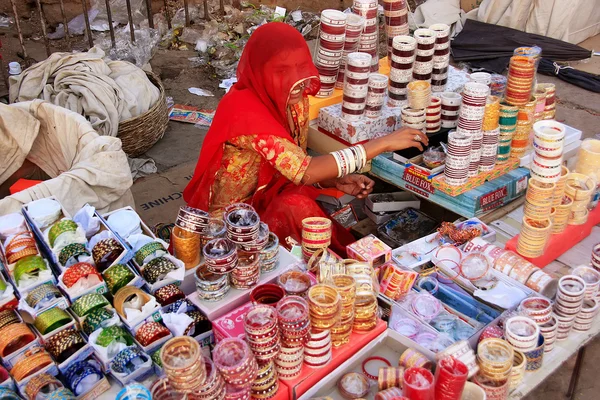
(251,141)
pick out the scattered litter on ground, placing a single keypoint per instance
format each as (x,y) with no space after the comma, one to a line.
(200,92)
(227,83)
(140,52)
(199,61)
(192,115)
(6,21)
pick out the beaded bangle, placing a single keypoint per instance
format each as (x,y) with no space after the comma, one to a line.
(64,344)
(112,333)
(78,371)
(148,249)
(125,294)
(122,362)
(156,269)
(95,318)
(105,252)
(47,291)
(117,276)
(33,360)
(62,226)
(78,271)
(13,337)
(42,383)
(8,317)
(70,251)
(28,265)
(150,332)
(168,294)
(51,319)
(89,302)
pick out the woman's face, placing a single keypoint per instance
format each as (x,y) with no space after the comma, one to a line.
(283,71)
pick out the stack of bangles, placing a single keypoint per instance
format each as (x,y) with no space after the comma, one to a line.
(324,304)
(155,249)
(41,294)
(266,383)
(192,220)
(295,283)
(390,377)
(14,337)
(412,358)
(79,271)
(260,243)
(123,361)
(118,276)
(168,294)
(21,245)
(269,294)
(210,286)
(247,273)
(51,319)
(62,226)
(221,256)
(157,269)
(288,362)
(214,385)
(316,234)
(80,372)
(64,344)
(200,323)
(93,321)
(113,333)
(365,313)
(235,361)
(41,384)
(262,332)
(317,351)
(346,287)
(87,303)
(269,256)
(8,317)
(70,254)
(350,160)
(105,252)
(151,332)
(294,322)
(495,358)
(32,361)
(126,294)
(243,226)
(27,266)
(183,363)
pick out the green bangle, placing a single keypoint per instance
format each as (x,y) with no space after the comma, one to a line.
(51,320)
(70,251)
(42,292)
(117,276)
(87,303)
(27,265)
(112,333)
(156,357)
(95,318)
(146,250)
(62,226)
(156,269)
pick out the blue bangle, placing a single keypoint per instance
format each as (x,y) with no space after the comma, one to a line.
(61,394)
(122,362)
(7,394)
(78,371)
(134,391)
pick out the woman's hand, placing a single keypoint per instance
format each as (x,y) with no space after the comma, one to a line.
(355,185)
(405,138)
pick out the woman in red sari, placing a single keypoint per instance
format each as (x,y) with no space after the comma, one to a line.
(255,149)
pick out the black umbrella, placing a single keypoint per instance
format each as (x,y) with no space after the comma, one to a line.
(490,46)
(569,74)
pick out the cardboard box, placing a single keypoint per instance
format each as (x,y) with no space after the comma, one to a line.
(370,249)
(379,218)
(389,344)
(388,202)
(311,378)
(236,298)
(331,121)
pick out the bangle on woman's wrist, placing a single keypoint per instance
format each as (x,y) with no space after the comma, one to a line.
(350,160)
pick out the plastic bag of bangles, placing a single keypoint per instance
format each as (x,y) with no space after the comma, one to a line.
(418,331)
(295,281)
(450,378)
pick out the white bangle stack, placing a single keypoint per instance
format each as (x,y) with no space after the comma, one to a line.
(350,160)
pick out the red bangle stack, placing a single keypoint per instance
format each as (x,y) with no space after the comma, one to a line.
(77,271)
(317,352)
(221,256)
(262,333)
(168,294)
(294,322)
(450,378)
(192,220)
(354,27)
(150,332)
(269,294)
(330,48)
(247,272)
(236,363)
(243,226)
(521,72)
(369,40)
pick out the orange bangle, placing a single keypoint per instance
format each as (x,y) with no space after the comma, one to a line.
(33,361)
(20,242)
(39,382)
(124,294)
(28,251)
(13,337)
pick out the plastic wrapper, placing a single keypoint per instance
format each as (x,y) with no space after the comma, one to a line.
(125,223)
(353,385)
(135,307)
(82,285)
(418,384)
(178,322)
(450,378)
(295,281)
(44,212)
(426,306)
(501,295)
(134,391)
(90,223)
(109,352)
(474,266)
(139,52)
(434,157)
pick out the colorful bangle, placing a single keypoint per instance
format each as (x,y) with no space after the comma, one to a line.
(118,276)
(78,271)
(62,226)
(125,294)
(95,318)
(78,371)
(156,269)
(146,250)
(168,294)
(201,324)
(44,292)
(17,255)
(150,332)
(33,360)
(105,252)
(70,251)
(64,344)
(61,394)
(7,394)
(156,357)
(112,333)
(8,317)
(13,337)
(51,319)
(122,362)
(44,383)
(28,265)
(89,302)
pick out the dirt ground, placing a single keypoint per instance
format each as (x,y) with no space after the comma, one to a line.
(182,142)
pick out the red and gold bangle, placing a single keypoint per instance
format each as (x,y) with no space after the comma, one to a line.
(168,294)
(105,252)
(13,337)
(44,383)
(150,332)
(77,271)
(19,243)
(366,361)
(28,251)
(34,360)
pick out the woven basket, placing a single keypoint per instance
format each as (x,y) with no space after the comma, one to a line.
(139,134)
